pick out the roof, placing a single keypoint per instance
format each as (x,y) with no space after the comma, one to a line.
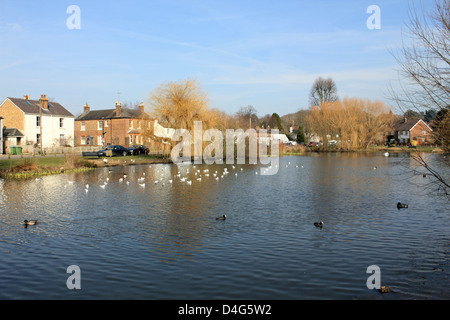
(12,132)
(109,114)
(32,106)
(402,125)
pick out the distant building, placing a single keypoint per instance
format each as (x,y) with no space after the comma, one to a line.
(410,132)
(119,126)
(30,121)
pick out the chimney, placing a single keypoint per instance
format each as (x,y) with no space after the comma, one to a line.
(86,108)
(141,107)
(26,97)
(118,109)
(44,101)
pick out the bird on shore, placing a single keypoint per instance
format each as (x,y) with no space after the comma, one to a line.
(401,205)
(224,217)
(29,222)
(318,224)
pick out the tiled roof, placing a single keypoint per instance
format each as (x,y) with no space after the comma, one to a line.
(108,114)
(12,132)
(402,125)
(32,106)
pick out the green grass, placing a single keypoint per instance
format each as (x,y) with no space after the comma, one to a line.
(43,162)
(403,148)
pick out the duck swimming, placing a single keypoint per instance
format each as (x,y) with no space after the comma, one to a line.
(318,224)
(401,205)
(29,222)
(384,289)
(224,217)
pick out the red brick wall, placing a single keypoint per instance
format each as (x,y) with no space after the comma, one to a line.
(13,117)
(421,133)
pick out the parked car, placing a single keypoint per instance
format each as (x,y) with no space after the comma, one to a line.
(114,150)
(138,149)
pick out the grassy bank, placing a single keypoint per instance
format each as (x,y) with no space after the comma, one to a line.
(25,168)
(401,149)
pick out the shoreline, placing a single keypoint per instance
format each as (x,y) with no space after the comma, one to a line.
(27,167)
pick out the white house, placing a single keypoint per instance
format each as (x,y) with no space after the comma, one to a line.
(38,119)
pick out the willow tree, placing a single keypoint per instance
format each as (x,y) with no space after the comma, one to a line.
(357,122)
(179,104)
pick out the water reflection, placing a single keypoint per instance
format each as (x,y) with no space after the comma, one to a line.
(167,227)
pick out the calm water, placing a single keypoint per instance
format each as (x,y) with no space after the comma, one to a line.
(163,241)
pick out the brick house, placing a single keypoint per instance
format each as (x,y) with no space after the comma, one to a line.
(411,132)
(36,120)
(119,126)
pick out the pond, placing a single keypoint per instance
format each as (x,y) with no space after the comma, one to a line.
(161,240)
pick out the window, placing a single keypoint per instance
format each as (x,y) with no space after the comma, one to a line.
(62,140)
(83,140)
(131,124)
(61,122)
(83,126)
(99,140)
(131,139)
(100,125)
(424,132)
(38,121)
(38,138)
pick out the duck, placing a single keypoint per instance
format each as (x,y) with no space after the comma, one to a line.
(29,222)
(318,224)
(401,205)
(384,289)
(224,217)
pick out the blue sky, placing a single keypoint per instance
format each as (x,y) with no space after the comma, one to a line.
(261,53)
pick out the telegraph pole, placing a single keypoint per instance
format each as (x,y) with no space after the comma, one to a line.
(40,125)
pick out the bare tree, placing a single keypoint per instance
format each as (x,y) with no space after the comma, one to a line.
(247,116)
(323,90)
(424,61)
